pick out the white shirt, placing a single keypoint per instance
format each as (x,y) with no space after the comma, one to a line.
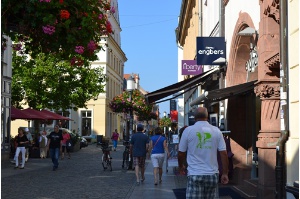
(201,141)
(46,139)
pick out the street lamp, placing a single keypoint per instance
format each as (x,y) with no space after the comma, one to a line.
(130,88)
(165,114)
(252,63)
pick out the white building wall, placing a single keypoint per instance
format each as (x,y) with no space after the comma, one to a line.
(210,16)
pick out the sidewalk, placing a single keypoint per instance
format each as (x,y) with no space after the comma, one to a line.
(147,189)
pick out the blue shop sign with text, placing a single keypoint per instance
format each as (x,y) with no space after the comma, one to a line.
(210,49)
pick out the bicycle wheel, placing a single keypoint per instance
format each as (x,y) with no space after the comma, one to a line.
(108,162)
(127,161)
(104,162)
(124,159)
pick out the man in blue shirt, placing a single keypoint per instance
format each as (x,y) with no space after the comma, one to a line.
(139,145)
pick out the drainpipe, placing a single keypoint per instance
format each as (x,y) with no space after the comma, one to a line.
(280,169)
(200,8)
(222,106)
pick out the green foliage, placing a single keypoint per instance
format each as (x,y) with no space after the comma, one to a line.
(165,121)
(47,82)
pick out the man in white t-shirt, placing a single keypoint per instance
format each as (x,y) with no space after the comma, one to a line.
(199,145)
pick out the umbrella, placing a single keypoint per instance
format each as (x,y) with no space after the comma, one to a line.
(54,116)
(18,114)
(35,114)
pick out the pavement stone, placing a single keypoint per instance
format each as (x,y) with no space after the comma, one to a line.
(80,177)
(83,177)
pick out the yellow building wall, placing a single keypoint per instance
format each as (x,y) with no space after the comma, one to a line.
(99,109)
(190,47)
(292,145)
(15,124)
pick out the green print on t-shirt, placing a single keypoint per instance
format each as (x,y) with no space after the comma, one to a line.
(203,140)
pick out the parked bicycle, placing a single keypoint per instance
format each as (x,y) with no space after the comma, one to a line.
(106,158)
(126,155)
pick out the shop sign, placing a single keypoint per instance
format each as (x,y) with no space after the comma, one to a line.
(210,49)
(190,67)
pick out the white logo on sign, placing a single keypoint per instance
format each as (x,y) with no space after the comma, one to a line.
(210,51)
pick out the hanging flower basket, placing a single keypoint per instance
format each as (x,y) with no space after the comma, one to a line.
(68,29)
(138,105)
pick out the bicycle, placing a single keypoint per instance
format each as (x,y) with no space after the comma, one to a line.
(126,155)
(106,159)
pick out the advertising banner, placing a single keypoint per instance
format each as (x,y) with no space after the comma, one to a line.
(190,67)
(174,116)
(210,49)
(172,105)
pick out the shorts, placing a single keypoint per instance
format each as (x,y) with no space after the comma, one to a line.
(202,186)
(158,160)
(139,161)
(65,148)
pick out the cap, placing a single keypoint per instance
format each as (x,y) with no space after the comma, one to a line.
(140,127)
(26,129)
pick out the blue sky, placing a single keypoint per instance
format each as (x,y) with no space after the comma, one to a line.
(149,42)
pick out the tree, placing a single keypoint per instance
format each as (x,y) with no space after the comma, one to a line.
(165,121)
(48,82)
(122,103)
(69,30)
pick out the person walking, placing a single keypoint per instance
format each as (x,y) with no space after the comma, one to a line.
(199,145)
(28,145)
(43,141)
(54,146)
(115,137)
(139,145)
(65,148)
(21,142)
(158,147)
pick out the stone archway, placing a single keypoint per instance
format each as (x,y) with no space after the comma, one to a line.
(239,54)
(243,112)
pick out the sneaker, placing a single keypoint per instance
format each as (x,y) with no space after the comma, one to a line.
(13,162)
(16,167)
(137,183)
(26,159)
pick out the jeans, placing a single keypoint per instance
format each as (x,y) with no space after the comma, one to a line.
(115,143)
(22,150)
(54,155)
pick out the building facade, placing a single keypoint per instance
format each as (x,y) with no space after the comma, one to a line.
(98,119)
(254,119)
(6,79)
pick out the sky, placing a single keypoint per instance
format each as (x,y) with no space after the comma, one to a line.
(149,42)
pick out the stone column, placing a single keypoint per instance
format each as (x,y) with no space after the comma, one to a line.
(268,137)
(268,89)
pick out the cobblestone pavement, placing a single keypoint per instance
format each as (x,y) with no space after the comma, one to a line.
(82,177)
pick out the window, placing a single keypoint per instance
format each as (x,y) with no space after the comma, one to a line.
(86,123)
